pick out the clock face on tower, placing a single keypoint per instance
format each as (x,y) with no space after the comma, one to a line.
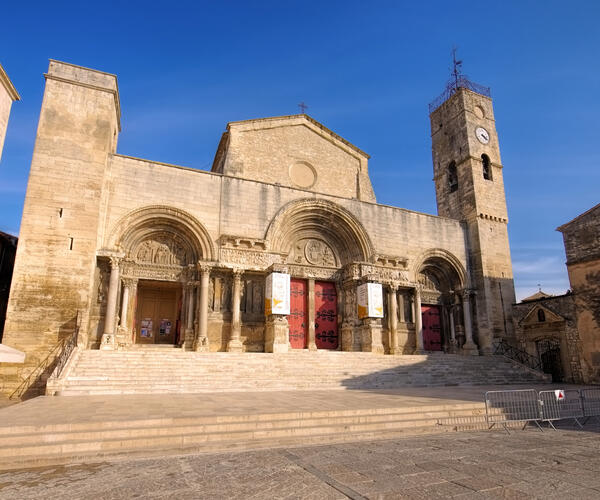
(483,135)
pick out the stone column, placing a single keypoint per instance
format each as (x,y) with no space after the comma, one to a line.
(124,330)
(312,345)
(420,348)
(235,340)
(132,310)
(202,340)
(108,339)
(393,314)
(452,329)
(188,343)
(470,347)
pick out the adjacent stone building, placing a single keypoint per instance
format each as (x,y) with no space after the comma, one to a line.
(582,246)
(8,94)
(563,332)
(8,242)
(132,252)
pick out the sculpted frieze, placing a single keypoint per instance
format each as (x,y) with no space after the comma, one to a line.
(249,258)
(155,271)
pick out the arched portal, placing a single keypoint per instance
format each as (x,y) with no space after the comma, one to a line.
(159,249)
(316,238)
(440,276)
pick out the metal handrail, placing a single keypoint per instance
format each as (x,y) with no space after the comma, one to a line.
(459,82)
(503,348)
(65,347)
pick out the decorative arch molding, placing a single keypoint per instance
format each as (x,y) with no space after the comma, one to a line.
(446,262)
(324,220)
(137,226)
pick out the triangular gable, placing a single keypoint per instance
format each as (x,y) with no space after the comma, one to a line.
(531,318)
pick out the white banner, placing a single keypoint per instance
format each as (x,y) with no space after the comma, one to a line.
(370,300)
(277,294)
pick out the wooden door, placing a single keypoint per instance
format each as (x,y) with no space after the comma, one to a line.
(432,330)
(298,318)
(326,331)
(157,315)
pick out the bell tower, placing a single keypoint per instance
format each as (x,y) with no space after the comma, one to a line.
(469,187)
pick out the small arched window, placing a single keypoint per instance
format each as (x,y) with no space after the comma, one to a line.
(452,177)
(487,168)
(541,315)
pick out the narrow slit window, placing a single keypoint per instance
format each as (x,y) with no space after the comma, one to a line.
(452,177)
(70,243)
(541,316)
(487,168)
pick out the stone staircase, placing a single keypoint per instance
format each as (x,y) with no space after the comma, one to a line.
(152,370)
(85,440)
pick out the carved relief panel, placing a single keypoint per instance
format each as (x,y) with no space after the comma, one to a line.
(163,249)
(314,252)
(253,299)
(219,296)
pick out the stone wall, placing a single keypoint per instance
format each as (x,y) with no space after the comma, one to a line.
(582,246)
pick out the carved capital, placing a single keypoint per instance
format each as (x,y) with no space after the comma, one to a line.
(204,267)
(115,262)
(237,273)
(130,282)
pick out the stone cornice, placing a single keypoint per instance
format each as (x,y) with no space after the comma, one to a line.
(10,88)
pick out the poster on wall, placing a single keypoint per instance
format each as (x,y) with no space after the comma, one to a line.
(165,327)
(370,300)
(146,328)
(277,294)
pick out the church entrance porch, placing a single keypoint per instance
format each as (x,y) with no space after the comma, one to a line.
(157,313)
(313,303)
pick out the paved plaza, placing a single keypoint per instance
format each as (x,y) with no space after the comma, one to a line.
(524,464)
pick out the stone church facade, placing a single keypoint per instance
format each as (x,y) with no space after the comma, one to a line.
(133,252)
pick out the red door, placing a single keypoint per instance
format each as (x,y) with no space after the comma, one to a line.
(326,332)
(298,318)
(432,330)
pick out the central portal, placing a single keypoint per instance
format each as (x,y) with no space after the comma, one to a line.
(325,320)
(158,311)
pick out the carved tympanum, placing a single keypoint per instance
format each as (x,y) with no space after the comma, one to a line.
(314,252)
(162,250)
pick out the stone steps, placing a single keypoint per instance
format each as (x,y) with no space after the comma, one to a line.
(27,446)
(174,371)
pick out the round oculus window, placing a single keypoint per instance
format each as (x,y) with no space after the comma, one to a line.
(303,175)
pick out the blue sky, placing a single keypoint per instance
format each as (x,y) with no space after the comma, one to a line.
(367,70)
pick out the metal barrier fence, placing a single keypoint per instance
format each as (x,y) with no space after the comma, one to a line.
(591,403)
(560,405)
(503,407)
(527,405)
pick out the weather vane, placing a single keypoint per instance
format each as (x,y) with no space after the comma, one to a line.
(456,67)
(303,107)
